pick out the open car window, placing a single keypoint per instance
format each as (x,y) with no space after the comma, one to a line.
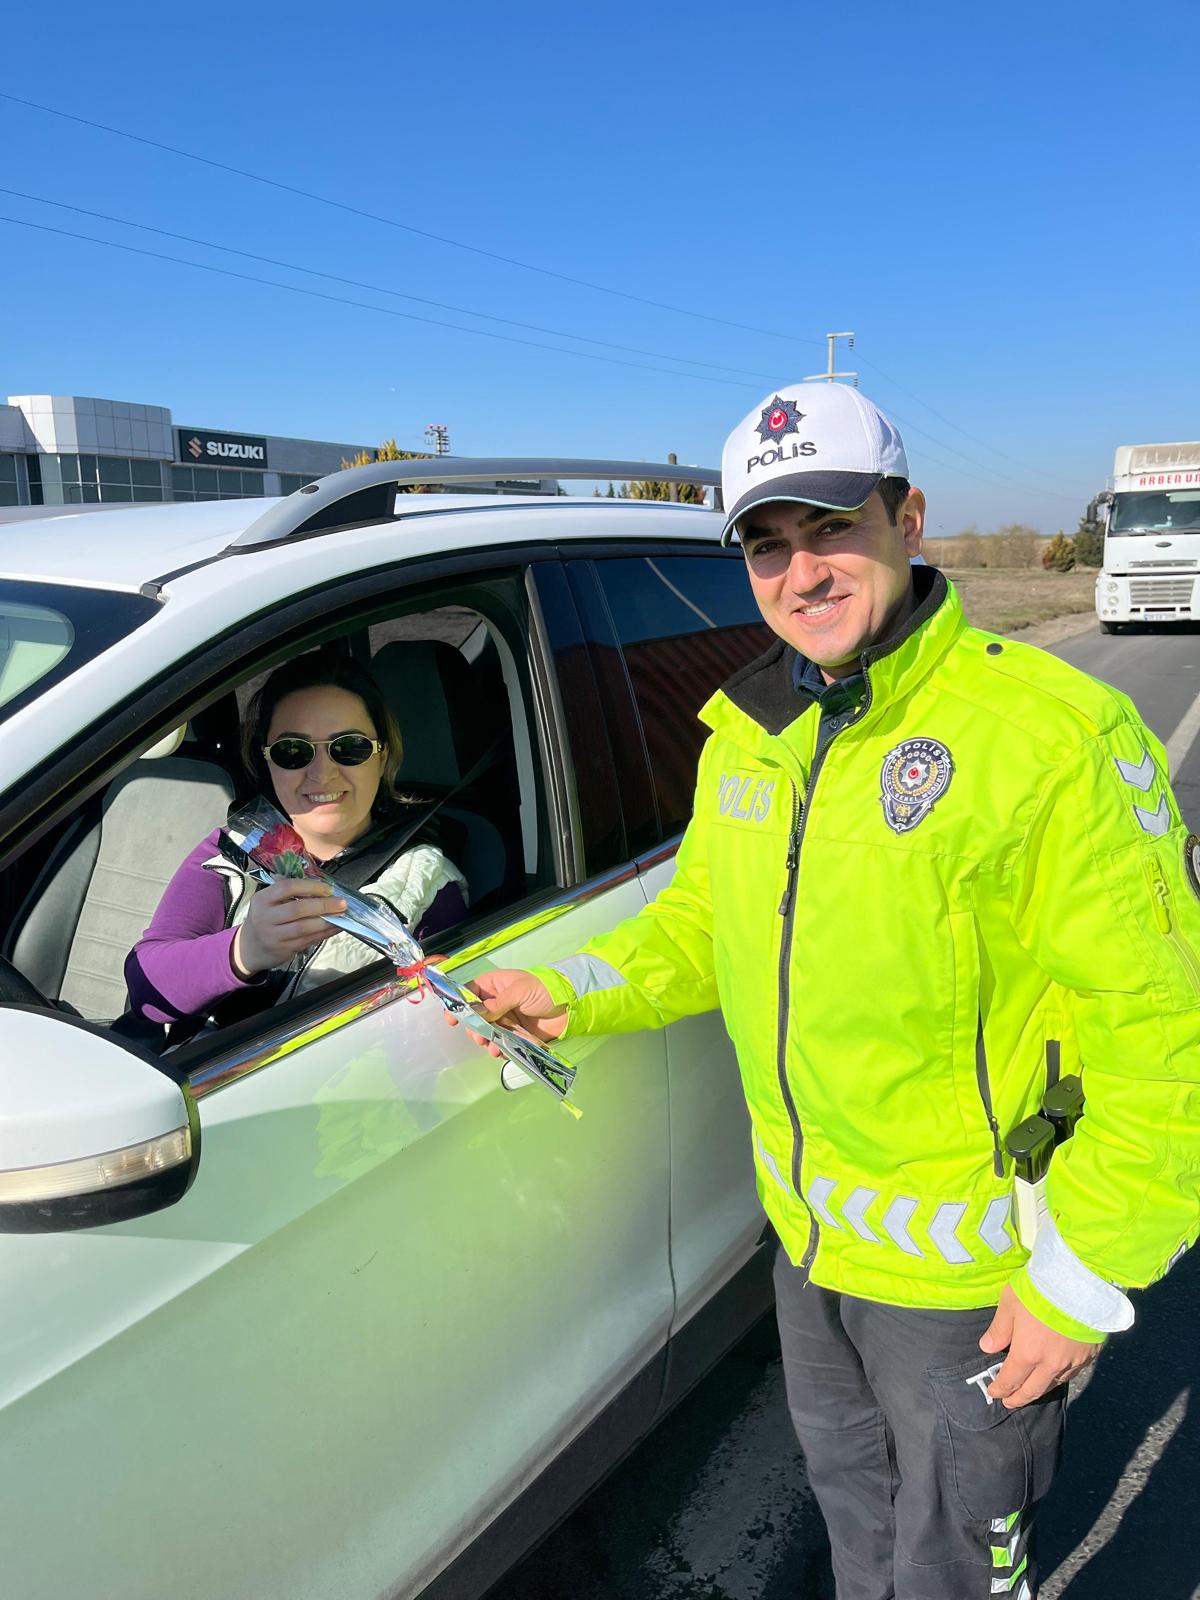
(457,678)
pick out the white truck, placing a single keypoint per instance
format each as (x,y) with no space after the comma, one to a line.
(1151,521)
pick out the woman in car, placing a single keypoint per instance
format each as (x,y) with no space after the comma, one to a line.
(321,742)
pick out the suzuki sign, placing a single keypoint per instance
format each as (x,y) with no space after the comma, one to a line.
(220,449)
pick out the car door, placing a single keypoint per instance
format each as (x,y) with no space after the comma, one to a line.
(395,1290)
(668,626)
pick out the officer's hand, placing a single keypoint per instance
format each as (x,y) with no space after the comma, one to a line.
(515,999)
(284,918)
(1038,1358)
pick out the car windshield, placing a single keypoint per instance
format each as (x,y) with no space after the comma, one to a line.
(48,630)
(1169,511)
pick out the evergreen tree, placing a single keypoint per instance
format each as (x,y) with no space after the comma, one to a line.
(688,494)
(1059,554)
(1089,544)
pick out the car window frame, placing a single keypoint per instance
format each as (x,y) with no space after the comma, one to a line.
(67,778)
(304,622)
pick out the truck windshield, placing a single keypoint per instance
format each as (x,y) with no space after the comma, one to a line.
(48,630)
(1152,512)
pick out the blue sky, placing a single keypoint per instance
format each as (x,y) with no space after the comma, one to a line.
(1002,205)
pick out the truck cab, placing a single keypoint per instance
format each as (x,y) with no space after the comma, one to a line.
(1151,522)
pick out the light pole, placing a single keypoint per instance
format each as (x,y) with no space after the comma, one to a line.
(829,375)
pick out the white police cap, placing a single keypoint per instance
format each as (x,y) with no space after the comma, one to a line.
(820,444)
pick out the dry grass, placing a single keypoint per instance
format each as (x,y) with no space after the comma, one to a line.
(1004,601)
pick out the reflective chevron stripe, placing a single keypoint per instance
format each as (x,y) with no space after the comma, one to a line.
(1157,821)
(993,1230)
(768,1161)
(947,1229)
(942,1231)
(895,1224)
(853,1212)
(1010,1560)
(819,1192)
(1141,776)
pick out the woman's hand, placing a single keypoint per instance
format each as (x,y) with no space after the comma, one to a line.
(284,918)
(516,1000)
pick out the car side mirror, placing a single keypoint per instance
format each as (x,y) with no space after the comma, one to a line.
(90,1131)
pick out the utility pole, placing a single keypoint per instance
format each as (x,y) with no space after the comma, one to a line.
(829,375)
(437,435)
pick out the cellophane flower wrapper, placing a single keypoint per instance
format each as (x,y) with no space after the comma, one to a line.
(267,846)
(262,842)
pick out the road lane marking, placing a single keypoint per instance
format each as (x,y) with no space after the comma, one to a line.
(1184,737)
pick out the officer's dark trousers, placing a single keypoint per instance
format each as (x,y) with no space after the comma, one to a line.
(928,1491)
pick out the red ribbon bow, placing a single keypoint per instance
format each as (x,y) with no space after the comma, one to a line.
(416,974)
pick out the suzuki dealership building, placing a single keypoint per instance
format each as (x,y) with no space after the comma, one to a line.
(65,450)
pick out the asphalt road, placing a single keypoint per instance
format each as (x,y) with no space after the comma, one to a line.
(714,1506)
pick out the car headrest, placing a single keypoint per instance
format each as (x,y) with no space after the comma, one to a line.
(432,692)
(167,745)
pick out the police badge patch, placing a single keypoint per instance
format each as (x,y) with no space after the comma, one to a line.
(915,775)
(1191,862)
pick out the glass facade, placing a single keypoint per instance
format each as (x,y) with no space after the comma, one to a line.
(89,480)
(214,483)
(8,481)
(289,482)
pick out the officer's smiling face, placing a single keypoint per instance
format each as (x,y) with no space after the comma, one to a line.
(832,582)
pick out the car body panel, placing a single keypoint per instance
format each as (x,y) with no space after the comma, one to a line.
(396,1291)
(451,1275)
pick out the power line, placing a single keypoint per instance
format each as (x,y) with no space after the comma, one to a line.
(483,333)
(459,244)
(391,222)
(377,288)
(364,305)
(1004,478)
(974,438)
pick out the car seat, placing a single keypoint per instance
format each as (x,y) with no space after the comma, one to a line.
(99,887)
(448,721)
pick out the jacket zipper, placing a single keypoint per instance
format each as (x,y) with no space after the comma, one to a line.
(1162,915)
(985,1094)
(787,909)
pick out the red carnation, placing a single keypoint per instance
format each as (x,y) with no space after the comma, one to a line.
(282,851)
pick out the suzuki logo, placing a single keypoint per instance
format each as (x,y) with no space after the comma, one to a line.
(195,448)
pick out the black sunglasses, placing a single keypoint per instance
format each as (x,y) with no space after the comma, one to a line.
(347,750)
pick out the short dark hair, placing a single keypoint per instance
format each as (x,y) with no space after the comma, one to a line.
(321,669)
(894,492)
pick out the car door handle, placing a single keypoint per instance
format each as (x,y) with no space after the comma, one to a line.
(514,1077)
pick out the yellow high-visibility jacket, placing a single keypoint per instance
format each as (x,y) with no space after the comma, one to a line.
(981,881)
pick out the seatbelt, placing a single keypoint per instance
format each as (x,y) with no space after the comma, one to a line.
(367,863)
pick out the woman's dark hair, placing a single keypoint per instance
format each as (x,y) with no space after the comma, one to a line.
(321,669)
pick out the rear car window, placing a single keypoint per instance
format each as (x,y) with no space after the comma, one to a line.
(48,630)
(686,624)
(33,640)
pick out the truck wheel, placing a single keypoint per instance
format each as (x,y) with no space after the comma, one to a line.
(1110,627)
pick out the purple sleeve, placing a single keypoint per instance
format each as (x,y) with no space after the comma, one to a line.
(447,908)
(181,965)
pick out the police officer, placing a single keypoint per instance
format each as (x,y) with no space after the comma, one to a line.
(963,873)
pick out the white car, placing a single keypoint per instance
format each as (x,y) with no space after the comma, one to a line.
(327,1303)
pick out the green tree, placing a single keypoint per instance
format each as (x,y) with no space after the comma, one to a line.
(389,450)
(688,494)
(1059,554)
(1089,544)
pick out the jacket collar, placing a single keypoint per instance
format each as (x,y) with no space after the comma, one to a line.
(763,693)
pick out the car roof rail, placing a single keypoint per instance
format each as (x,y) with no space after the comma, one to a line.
(367,494)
